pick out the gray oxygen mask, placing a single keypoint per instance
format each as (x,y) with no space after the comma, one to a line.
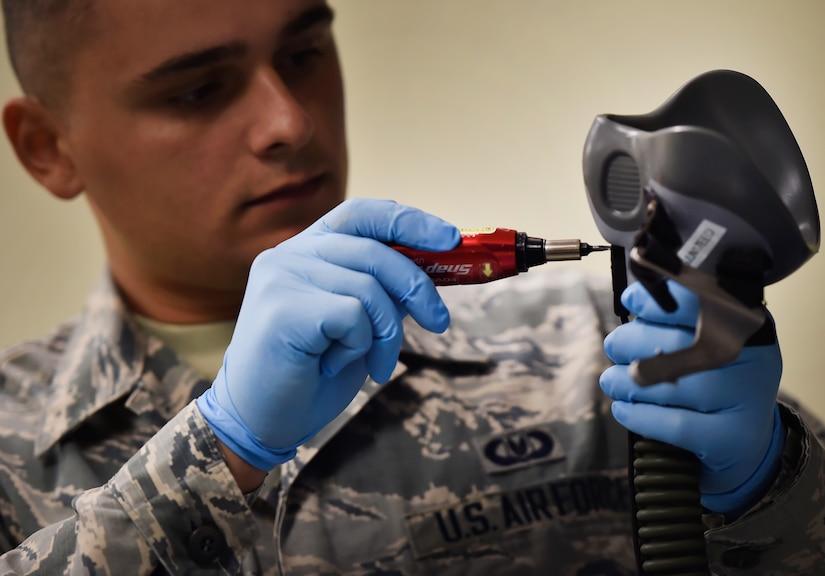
(711,179)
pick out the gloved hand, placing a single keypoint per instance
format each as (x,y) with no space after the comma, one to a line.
(728,416)
(322,311)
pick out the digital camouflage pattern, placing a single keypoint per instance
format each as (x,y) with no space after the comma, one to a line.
(491,451)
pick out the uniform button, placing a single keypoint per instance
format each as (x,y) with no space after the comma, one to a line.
(740,558)
(206,544)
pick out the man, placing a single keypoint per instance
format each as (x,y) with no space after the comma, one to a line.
(208,138)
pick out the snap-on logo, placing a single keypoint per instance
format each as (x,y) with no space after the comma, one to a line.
(457,269)
(518,448)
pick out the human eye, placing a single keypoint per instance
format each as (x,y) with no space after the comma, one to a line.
(304,57)
(200,95)
(299,62)
(301,57)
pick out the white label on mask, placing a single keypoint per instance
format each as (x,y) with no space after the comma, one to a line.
(701,243)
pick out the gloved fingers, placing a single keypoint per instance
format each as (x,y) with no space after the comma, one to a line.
(730,447)
(388,221)
(380,359)
(386,345)
(641,339)
(397,275)
(675,426)
(381,313)
(704,392)
(348,328)
(640,303)
(335,394)
(749,381)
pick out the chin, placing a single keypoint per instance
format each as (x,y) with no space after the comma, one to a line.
(280,235)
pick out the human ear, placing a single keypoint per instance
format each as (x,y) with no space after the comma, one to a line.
(35,135)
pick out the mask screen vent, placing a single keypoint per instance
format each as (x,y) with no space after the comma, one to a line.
(621,185)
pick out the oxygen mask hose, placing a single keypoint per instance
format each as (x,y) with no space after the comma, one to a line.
(668,532)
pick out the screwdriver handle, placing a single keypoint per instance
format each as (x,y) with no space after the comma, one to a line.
(484,255)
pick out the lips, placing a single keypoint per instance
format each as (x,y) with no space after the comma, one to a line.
(298,190)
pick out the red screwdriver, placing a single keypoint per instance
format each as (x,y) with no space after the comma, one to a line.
(487,254)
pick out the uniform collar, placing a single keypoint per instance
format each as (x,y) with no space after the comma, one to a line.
(103,361)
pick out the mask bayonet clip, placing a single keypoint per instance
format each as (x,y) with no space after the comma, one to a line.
(724,323)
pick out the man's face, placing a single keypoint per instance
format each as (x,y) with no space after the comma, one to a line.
(206,131)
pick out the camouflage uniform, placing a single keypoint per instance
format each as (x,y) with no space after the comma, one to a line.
(491,451)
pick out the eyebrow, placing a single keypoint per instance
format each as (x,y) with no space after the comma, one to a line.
(321,14)
(193,60)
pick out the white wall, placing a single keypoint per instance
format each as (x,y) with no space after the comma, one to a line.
(477,110)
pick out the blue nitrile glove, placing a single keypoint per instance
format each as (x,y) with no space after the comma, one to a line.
(728,417)
(322,311)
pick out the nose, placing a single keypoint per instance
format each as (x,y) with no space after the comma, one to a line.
(279,122)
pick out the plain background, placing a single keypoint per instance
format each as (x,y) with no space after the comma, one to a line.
(477,110)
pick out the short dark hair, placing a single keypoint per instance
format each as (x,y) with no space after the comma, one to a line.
(42,37)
